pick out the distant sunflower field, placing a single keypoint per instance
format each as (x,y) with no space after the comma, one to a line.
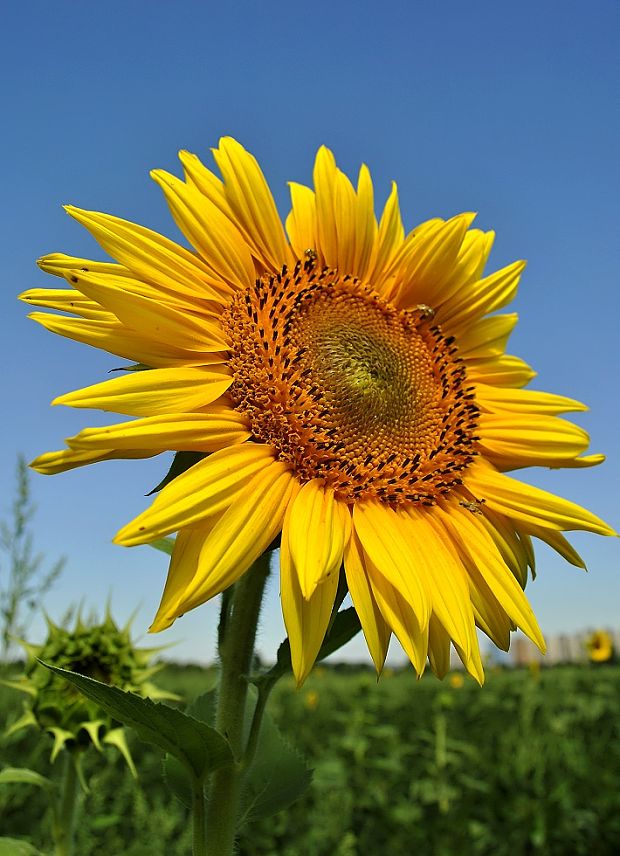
(529,765)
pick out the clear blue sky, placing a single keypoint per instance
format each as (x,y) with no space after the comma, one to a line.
(508,109)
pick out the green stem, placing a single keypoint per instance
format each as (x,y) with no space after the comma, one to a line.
(198,820)
(63,824)
(264,690)
(236,647)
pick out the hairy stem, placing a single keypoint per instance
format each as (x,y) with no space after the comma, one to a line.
(236,647)
(198,820)
(63,824)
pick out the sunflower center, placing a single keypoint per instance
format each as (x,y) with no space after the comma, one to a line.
(348,388)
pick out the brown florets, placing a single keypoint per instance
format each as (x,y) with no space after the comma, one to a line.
(350,389)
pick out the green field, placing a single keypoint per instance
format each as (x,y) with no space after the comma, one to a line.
(528,764)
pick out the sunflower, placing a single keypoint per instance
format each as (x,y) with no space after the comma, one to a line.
(600,646)
(343,386)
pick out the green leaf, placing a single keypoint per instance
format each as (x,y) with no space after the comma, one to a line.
(166,545)
(24,776)
(196,745)
(17,847)
(182,461)
(204,706)
(175,774)
(178,780)
(277,776)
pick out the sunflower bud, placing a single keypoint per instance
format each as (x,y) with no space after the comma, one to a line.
(104,652)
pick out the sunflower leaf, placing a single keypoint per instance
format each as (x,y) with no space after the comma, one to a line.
(175,774)
(178,780)
(24,776)
(200,748)
(17,847)
(277,776)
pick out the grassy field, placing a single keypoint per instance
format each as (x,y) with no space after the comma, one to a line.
(529,764)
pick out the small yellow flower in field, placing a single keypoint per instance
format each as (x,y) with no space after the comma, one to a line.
(600,646)
(341,384)
(456,680)
(311,700)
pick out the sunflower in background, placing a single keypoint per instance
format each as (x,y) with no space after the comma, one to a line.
(102,651)
(345,388)
(600,646)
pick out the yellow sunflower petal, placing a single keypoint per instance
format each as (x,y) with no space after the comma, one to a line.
(59,263)
(365,223)
(389,239)
(472,662)
(502,370)
(205,181)
(318,529)
(376,631)
(301,222)
(431,258)
(149,255)
(181,298)
(481,298)
(207,488)
(66,300)
(400,617)
(204,432)
(558,542)
(306,619)
(518,440)
(324,176)
(216,238)
(444,577)
(157,391)
(488,337)
(530,401)
(486,562)
(183,565)
(438,647)
(252,204)
(241,535)
(490,616)
(513,550)
(380,531)
(531,504)
(115,338)
(152,319)
(51,463)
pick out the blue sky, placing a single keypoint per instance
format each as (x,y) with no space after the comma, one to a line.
(505,109)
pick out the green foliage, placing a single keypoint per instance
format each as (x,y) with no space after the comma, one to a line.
(277,777)
(99,650)
(23,776)
(196,745)
(23,580)
(526,765)
(15,847)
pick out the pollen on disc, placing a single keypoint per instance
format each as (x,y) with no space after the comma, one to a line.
(348,388)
